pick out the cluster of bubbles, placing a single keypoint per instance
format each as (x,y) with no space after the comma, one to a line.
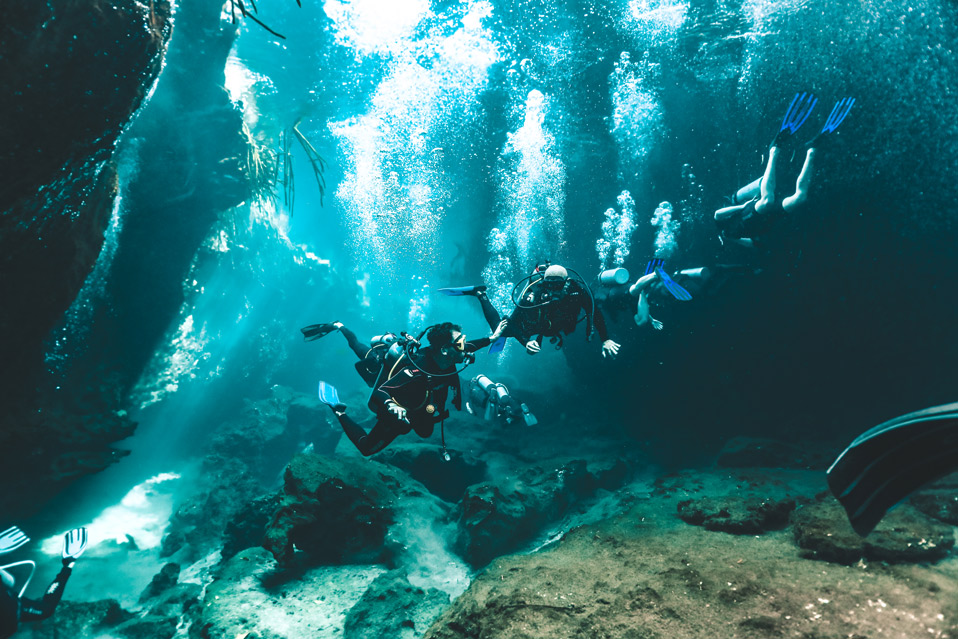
(419,302)
(617,228)
(394,192)
(532,180)
(653,20)
(666,230)
(636,113)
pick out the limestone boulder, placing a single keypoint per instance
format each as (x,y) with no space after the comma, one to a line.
(337,510)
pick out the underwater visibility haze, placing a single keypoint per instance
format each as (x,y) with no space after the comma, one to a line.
(210,209)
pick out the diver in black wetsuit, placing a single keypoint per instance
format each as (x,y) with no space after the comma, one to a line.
(412,391)
(763,212)
(14,607)
(550,305)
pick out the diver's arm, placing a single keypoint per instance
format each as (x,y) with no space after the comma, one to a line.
(474,345)
(641,284)
(598,320)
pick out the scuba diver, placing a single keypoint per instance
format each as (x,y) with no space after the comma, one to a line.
(549,305)
(14,607)
(757,210)
(382,348)
(490,400)
(411,388)
(616,296)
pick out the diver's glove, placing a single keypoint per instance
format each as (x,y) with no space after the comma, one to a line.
(499,330)
(396,410)
(532,347)
(609,348)
(74,543)
(11,539)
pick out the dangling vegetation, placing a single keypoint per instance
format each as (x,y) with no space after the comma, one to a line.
(315,160)
(238,6)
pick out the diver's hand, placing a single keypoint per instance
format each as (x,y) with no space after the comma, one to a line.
(532,347)
(609,348)
(657,325)
(496,334)
(396,410)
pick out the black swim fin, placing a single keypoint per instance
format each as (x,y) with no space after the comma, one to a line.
(315,331)
(885,464)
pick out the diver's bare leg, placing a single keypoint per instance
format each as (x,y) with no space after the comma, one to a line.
(768,181)
(802,184)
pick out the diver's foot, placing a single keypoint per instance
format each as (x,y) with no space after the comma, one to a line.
(329,396)
(464,290)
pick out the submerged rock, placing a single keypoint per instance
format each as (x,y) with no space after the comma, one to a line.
(248,597)
(939,500)
(56,201)
(161,582)
(737,515)
(497,517)
(447,480)
(905,535)
(86,619)
(392,607)
(644,574)
(337,509)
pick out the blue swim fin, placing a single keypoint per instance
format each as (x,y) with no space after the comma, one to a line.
(329,396)
(673,287)
(838,114)
(462,290)
(798,111)
(497,345)
(653,264)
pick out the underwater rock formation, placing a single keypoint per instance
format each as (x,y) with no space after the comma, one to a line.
(99,59)
(447,480)
(393,607)
(337,510)
(250,597)
(244,457)
(73,619)
(498,516)
(737,515)
(644,573)
(905,535)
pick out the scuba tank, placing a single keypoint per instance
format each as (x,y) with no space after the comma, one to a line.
(614,276)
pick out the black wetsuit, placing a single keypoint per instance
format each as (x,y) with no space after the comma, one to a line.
(14,610)
(547,313)
(371,358)
(748,223)
(422,394)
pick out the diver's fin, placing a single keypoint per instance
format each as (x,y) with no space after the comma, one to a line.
(838,114)
(329,396)
(673,287)
(315,331)
(497,345)
(653,264)
(74,543)
(462,290)
(883,465)
(798,111)
(11,539)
